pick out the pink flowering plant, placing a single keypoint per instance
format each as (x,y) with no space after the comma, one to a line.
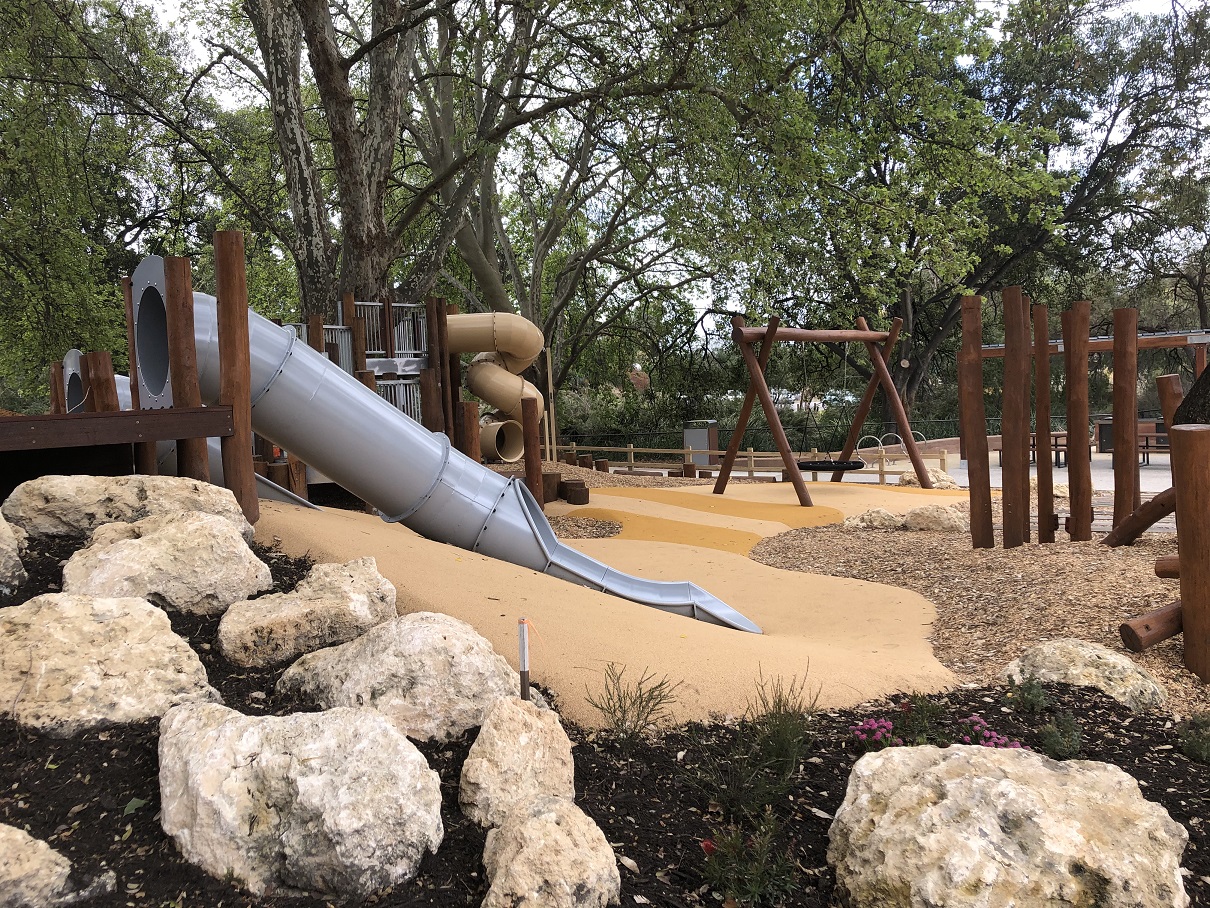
(875,734)
(920,721)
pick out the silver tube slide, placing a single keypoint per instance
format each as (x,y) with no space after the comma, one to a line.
(308,405)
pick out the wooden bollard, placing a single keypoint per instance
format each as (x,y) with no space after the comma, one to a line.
(1168,566)
(431,415)
(601,465)
(58,390)
(1079,454)
(99,367)
(279,473)
(531,426)
(235,379)
(367,378)
(689,470)
(315,334)
(1125,413)
(1047,520)
(1190,454)
(970,395)
(192,454)
(550,486)
(1152,628)
(1015,422)
(470,431)
(585,461)
(296,475)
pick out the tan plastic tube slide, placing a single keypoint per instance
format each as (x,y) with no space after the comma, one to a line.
(507,344)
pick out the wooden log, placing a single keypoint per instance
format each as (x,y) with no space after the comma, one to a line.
(1125,413)
(745,410)
(585,461)
(470,434)
(386,323)
(812,335)
(431,416)
(235,376)
(279,473)
(332,352)
(1015,420)
(99,367)
(974,424)
(531,427)
(296,472)
(1079,451)
(689,470)
(368,378)
(1171,393)
(1046,480)
(867,401)
(1168,566)
(601,465)
(550,486)
(1023,441)
(315,334)
(192,455)
(1152,628)
(1190,454)
(1143,518)
(577,496)
(757,377)
(261,467)
(58,390)
(348,308)
(358,332)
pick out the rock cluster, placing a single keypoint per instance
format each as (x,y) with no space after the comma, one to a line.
(939,478)
(12,571)
(34,875)
(931,518)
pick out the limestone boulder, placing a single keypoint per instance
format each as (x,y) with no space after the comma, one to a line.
(940,479)
(77,505)
(963,826)
(12,571)
(336,803)
(521,754)
(1087,664)
(549,854)
(935,518)
(187,562)
(34,875)
(73,663)
(432,675)
(875,519)
(333,604)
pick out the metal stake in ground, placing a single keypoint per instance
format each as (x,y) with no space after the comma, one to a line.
(523,655)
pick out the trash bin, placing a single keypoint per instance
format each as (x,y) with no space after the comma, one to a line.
(702,435)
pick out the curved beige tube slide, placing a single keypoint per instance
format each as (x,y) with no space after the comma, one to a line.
(507,344)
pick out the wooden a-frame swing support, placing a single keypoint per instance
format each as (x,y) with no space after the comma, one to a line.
(745,337)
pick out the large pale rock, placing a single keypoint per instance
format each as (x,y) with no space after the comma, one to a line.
(337,802)
(520,755)
(935,518)
(77,505)
(72,663)
(34,875)
(188,562)
(940,479)
(334,603)
(975,826)
(433,676)
(1087,664)
(549,854)
(12,571)
(875,519)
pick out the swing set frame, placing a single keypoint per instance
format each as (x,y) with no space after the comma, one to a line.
(745,337)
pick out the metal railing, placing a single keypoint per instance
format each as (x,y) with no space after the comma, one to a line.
(403,394)
(339,335)
(410,329)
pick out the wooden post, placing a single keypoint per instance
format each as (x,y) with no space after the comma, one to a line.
(454,385)
(297,475)
(530,419)
(896,405)
(315,334)
(1199,361)
(279,473)
(1125,413)
(235,377)
(1153,627)
(970,396)
(1015,419)
(1079,452)
(756,375)
(745,411)
(99,367)
(470,430)
(1190,454)
(1046,478)
(431,416)
(58,391)
(1025,443)
(1168,566)
(443,363)
(358,332)
(387,326)
(192,455)
(1172,393)
(367,378)
(867,401)
(348,308)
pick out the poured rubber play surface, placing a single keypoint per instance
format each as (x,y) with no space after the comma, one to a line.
(852,639)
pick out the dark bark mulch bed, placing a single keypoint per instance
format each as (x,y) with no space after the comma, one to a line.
(95,798)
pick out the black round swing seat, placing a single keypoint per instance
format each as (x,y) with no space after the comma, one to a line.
(819,466)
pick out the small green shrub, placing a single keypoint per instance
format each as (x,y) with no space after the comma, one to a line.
(1028,697)
(1194,734)
(781,713)
(750,865)
(633,709)
(920,721)
(1062,738)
